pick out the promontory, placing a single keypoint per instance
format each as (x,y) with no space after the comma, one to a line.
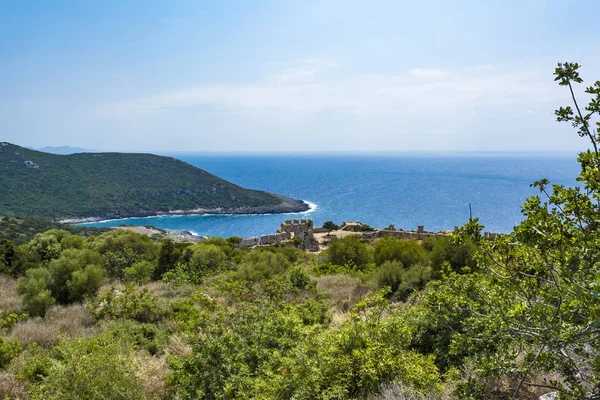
(92,186)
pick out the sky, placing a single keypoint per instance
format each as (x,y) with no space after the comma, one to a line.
(292,76)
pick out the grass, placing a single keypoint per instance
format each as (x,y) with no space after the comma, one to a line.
(342,290)
(69,321)
(399,391)
(9,298)
(11,387)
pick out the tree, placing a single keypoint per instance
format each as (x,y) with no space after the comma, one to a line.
(167,258)
(544,279)
(330,226)
(348,251)
(8,256)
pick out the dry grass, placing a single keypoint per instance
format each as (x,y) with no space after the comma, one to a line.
(399,391)
(69,321)
(9,298)
(152,373)
(11,387)
(178,346)
(342,290)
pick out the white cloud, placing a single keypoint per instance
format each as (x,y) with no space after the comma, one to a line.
(303,71)
(428,73)
(297,90)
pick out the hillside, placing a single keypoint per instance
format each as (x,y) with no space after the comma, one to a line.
(117,185)
(22,230)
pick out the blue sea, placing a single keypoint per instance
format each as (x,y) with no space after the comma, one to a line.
(433,190)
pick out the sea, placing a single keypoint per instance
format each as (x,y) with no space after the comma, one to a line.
(406,190)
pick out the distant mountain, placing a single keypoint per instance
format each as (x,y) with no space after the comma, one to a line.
(64,150)
(91,186)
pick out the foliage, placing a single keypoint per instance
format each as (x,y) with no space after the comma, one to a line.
(9,349)
(402,281)
(259,265)
(129,303)
(330,226)
(349,250)
(141,336)
(457,254)
(75,274)
(94,368)
(300,279)
(9,320)
(8,255)
(535,311)
(167,258)
(407,252)
(94,185)
(35,292)
(21,230)
(141,272)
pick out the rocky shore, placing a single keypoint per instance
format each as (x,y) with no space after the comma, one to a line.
(287,205)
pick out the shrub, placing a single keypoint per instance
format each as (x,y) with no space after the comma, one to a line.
(75,274)
(458,254)
(407,252)
(258,265)
(141,336)
(128,304)
(8,258)
(140,272)
(349,250)
(390,275)
(402,281)
(300,279)
(34,291)
(95,368)
(207,258)
(9,349)
(84,282)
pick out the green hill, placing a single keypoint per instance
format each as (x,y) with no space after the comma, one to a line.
(119,185)
(22,230)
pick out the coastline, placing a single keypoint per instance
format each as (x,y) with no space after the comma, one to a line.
(287,206)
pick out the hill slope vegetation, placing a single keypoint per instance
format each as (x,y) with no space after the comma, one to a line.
(118,185)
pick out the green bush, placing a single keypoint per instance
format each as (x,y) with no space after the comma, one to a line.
(36,365)
(84,282)
(458,254)
(348,251)
(75,274)
(407,252)
(94,368)
(259,265)
(402,281)
(8,258)
(141,336)
(9,349)
(300,279)
(140,272)
(389,274)
(127,304)
(35,292)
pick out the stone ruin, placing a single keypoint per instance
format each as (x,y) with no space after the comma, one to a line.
(287,231)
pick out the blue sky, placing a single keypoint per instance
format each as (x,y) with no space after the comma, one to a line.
(292,75)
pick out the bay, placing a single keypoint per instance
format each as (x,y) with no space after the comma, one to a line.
(406,190)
